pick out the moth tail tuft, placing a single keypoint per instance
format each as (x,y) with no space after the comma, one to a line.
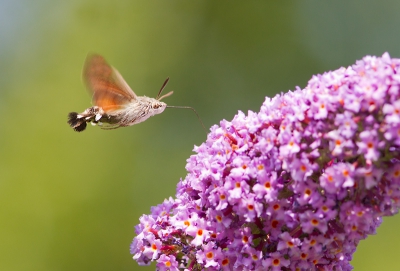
(76,122)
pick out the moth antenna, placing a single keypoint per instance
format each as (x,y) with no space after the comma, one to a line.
(161,89)
(191,108)
(165,95)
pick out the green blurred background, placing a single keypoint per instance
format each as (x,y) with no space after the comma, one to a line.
(69,201)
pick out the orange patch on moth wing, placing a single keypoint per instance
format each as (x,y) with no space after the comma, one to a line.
(108,104)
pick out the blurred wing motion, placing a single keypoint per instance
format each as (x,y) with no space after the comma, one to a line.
(110,91)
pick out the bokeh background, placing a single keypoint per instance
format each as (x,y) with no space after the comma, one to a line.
(69,201)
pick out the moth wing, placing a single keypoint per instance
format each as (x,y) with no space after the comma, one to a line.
(109,89)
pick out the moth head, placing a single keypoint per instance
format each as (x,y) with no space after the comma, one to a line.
(158,107)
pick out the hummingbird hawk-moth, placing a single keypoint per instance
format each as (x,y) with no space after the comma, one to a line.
(115,104)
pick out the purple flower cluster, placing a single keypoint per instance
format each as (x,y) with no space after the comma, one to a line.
(293,187)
